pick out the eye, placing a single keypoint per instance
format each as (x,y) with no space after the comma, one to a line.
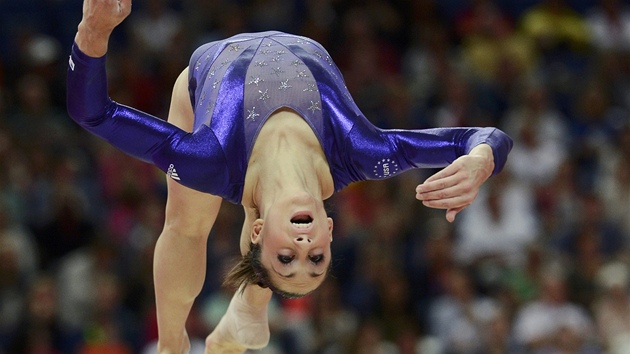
(316,259)
(285,259)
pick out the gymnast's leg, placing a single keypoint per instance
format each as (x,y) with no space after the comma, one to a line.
(180,262)
(244,325)
(179,265)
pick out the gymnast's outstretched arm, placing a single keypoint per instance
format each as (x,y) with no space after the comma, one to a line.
(180,255)
(196,159)
(469,156)
(472,154)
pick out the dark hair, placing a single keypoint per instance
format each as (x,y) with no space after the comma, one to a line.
(249,270)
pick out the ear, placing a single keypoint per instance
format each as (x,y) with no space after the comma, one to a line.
(330,228)
(257,226)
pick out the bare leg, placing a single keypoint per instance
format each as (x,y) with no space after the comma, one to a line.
(179,272)
(180,262)
(244,325)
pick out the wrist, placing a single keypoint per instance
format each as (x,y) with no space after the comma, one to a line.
(90,42)
(484,151)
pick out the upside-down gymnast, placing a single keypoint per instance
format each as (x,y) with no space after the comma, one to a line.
(264,120)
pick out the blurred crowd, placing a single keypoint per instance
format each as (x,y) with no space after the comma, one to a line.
(538,264)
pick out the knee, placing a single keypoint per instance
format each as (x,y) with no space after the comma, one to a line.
(186,227)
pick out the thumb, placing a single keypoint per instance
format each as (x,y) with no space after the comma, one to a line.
(451,213)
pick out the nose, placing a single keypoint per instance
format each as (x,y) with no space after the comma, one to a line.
(302,240)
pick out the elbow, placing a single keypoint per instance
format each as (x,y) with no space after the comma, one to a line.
(85,113)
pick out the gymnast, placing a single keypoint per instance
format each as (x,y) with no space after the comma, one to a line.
(263,120)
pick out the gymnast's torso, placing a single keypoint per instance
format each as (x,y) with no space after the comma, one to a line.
(235,85)
(262,73)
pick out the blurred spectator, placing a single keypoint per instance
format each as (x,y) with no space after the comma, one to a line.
(548,323)
(35,122)
(593,231)
(499,225)
(555,26)
(368,61)
(612,307)
(333,323)
(614,185)
(40,330)
(483,17)
(609,25)
(111,328)
(594,125)
(427,63)
(489,42)
(18,269)
(457,105)
(69,226)
(369,340)
(558,202)
(497,337)
(522,283)
(155,27)
(431,262)
(540,136)
(584,265)
(459,317)
(78,276)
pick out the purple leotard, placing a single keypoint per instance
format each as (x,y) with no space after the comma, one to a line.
(235,85)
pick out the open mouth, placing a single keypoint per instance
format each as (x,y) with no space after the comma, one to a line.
(302,221)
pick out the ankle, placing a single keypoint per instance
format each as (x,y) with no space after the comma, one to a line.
(255,296)
(173,344)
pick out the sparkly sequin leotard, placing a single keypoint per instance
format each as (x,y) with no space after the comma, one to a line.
(235,85)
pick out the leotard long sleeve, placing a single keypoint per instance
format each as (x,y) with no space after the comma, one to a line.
(235,85)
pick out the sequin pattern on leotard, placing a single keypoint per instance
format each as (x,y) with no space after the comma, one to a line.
(275,77)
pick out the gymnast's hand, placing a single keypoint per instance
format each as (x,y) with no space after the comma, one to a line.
(456,186)
(100,17)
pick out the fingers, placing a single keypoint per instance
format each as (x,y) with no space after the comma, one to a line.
(447,193)
(452,188)
(452,205)
(100,17)
(124,7)
(456,186)
(453,202)
(445,172)
(106,14)
(440,188)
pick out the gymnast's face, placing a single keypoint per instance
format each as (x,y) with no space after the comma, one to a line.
(295,239)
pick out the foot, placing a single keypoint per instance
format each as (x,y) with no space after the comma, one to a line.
(244,326)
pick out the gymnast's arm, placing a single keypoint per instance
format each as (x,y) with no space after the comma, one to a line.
(197,158)
(440,147)
(180,254)
(469,156)
(472,154)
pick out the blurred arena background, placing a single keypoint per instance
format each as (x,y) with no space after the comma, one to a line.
(538,264)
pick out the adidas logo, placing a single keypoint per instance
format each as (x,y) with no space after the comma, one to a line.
(172,172)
